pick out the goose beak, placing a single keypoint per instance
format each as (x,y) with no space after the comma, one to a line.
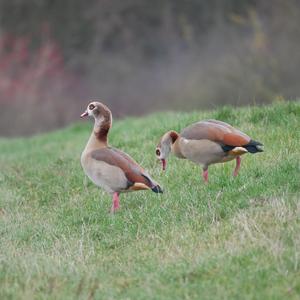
(164,164)
(84,114)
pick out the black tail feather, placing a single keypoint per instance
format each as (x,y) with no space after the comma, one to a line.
(157,189)
(252,147)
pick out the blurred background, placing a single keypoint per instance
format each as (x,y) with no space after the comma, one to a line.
(141,56)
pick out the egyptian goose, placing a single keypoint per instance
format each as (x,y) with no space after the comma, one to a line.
(110,168)
(207,142)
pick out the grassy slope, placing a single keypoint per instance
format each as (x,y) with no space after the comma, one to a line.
(232,239)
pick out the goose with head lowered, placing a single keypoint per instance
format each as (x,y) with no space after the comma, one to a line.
(205,143)
(108,167)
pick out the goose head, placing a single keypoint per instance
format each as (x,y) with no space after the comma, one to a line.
(164,147)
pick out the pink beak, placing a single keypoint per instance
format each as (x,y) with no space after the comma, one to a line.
(84,114)
(164,164)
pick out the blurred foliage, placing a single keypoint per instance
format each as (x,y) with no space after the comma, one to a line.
(140,56)
(148,25)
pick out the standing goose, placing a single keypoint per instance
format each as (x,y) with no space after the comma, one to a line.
(110,168)
(205,143)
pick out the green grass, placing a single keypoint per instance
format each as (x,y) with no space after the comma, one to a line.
(235,238)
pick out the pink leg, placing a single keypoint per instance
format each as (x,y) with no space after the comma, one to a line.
(115,203)
(205,175)
(237,167)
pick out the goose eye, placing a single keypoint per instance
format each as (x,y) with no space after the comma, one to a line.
(157,152)
(91,106)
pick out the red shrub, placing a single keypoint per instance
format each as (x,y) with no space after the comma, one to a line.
(37,78)
(27,73)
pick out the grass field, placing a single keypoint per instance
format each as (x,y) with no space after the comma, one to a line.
(235,238)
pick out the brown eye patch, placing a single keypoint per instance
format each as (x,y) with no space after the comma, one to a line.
(91,106)
(157,152)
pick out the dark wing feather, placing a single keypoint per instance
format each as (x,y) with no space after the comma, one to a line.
(133,172)
(216,131)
